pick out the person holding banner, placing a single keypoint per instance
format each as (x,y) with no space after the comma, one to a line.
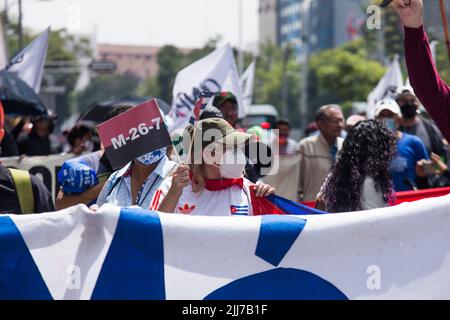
(214,183)
(360,179)
(431,90)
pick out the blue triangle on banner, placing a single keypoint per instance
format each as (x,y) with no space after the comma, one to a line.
(276,236)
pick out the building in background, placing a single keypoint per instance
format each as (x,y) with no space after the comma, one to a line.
(140,61)
(331,22)
(268,21)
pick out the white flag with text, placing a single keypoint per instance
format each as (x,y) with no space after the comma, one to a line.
(214,73)
(29,63)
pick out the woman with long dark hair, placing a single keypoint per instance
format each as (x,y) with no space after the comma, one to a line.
(360,178)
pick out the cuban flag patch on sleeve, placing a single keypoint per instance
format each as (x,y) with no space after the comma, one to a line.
(239,210)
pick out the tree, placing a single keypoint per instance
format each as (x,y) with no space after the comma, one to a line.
(150,88)
(107,87)
(271,65)
(344,78)
(170,61)
(386,42)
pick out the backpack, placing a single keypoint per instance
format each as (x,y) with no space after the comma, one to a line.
(24,190)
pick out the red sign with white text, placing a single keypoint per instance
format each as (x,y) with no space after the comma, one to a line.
(134,133)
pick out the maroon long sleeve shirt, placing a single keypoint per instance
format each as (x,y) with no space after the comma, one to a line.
(425,80)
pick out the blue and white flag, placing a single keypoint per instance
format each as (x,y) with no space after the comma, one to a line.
(29,63)
(401,252)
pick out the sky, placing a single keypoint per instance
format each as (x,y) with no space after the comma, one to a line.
(183,23)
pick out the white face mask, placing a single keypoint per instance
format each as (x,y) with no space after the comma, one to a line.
(88,145)
(152,157)
(233,164)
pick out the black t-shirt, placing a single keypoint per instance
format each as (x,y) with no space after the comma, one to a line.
(9,202)
(33,145)
(8,146)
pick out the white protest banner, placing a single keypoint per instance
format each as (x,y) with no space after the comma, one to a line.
(45,167)
(29,63)
(247,83)
(387,86)
(214,73)
(401,252)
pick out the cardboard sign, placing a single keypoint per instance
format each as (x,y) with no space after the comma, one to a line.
(134,133)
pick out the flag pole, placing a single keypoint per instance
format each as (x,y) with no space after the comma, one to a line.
(445,26)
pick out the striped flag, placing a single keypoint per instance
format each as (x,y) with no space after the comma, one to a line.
(239,210)
(205,100)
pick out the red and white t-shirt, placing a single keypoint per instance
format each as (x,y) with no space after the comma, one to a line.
(234,200)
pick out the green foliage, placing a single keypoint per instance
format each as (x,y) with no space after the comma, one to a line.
(150,88)
(442,60)
(270,67)
(342,75)
(106,87)
(387,42)
(170,61)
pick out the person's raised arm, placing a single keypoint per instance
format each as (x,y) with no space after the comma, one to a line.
(431,90)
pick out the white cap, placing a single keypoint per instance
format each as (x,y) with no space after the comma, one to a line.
(405,89)
(387,104)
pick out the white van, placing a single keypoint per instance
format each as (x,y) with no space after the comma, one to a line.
(260,113)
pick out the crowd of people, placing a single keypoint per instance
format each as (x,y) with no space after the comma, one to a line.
(345,165)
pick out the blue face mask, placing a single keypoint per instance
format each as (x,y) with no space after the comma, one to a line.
(390,124)
(152,157)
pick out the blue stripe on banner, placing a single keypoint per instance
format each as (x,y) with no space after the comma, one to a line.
(134,266)
(276,236)
(291,207)
(20,278)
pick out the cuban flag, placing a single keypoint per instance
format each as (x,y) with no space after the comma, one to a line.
(401,252)
(205,100)
(239,210)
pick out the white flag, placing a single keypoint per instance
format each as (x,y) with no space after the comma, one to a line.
(387,86)
(247,83)
(29,63)
(214,73)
